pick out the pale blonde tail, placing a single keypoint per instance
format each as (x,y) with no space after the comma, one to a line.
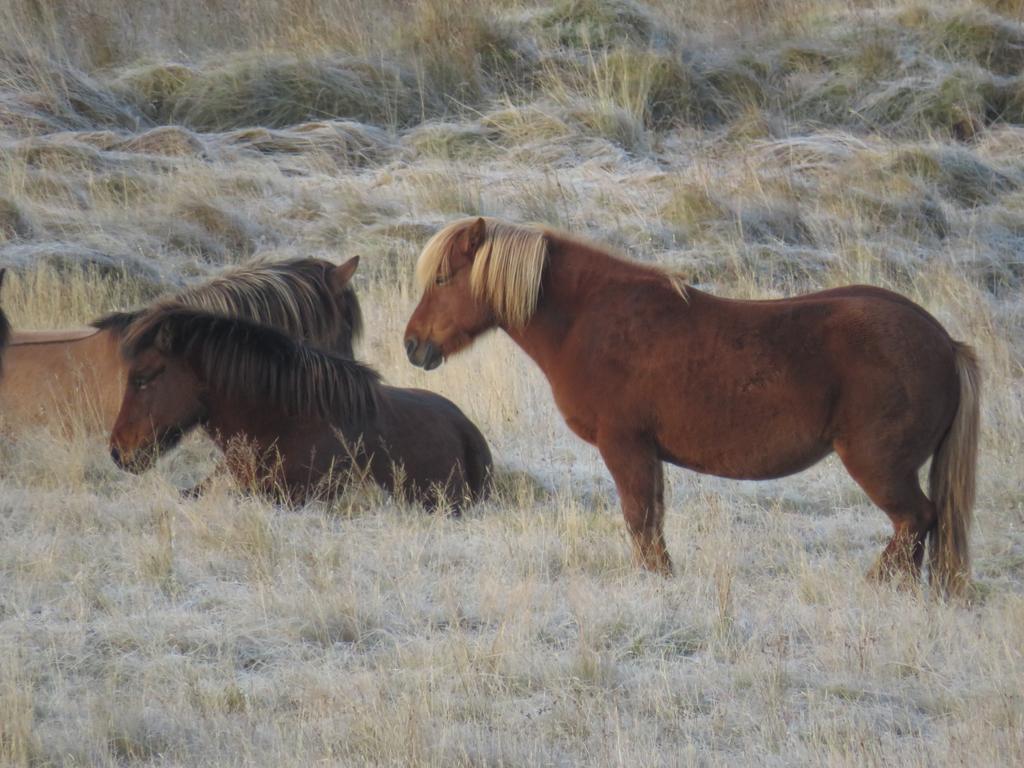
(951,483)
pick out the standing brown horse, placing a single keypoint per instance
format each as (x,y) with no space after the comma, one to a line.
(651,370)
(57,376)
(288,416)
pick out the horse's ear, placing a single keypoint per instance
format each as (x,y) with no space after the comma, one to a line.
(474,236)
(164,339)
(341,274)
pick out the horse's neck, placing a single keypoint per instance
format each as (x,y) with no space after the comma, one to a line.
(573,279)
(261,424)
(228,420)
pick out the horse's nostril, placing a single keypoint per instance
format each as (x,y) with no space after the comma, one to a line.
(431,356)
(410,346)
(116,456)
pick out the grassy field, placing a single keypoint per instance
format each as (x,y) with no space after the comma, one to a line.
(763,147)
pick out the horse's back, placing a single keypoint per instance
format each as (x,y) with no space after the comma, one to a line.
(48,336)
(849,338)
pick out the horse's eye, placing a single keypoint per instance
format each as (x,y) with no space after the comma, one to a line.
(142,381)
(442,279)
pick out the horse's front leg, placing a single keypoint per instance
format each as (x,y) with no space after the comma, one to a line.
(634,464)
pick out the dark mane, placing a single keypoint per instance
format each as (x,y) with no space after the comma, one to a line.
(253,362)
(293,296)
(117,321)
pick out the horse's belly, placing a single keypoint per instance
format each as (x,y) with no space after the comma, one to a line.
(750,461)
(745,437)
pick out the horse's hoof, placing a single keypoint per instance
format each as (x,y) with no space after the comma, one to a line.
(890,573)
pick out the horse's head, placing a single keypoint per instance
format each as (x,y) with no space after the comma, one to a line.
(451,313)
(163,400)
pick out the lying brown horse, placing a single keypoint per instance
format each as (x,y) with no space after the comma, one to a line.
(651,370)
(58,377)
(288,416)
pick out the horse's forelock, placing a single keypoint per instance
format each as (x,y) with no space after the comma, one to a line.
(435,256)
(507,267)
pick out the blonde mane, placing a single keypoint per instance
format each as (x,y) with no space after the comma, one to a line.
(508,265)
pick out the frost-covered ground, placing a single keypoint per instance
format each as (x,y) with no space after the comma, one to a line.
(764,148)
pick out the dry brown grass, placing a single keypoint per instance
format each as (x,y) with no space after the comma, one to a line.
(764,148)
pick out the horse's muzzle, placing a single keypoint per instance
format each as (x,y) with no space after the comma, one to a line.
(129,462)
(132,461)
(423,354)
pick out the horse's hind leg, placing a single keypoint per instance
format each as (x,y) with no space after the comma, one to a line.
(637,471)
(898,492)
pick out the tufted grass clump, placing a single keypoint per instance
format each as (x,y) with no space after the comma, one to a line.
(224,234)
(60,94)
(464,52)
(987,39)
(656,89)
(602,24)
(280,90)
(14,221)
(958,174)
(692,208)
(515,124)
(452,141)
(166,140)
(340,143)
(154,88)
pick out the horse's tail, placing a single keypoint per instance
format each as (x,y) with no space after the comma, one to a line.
(951,482)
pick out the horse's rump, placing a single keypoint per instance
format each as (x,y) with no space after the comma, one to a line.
(66,378)
(436,443)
